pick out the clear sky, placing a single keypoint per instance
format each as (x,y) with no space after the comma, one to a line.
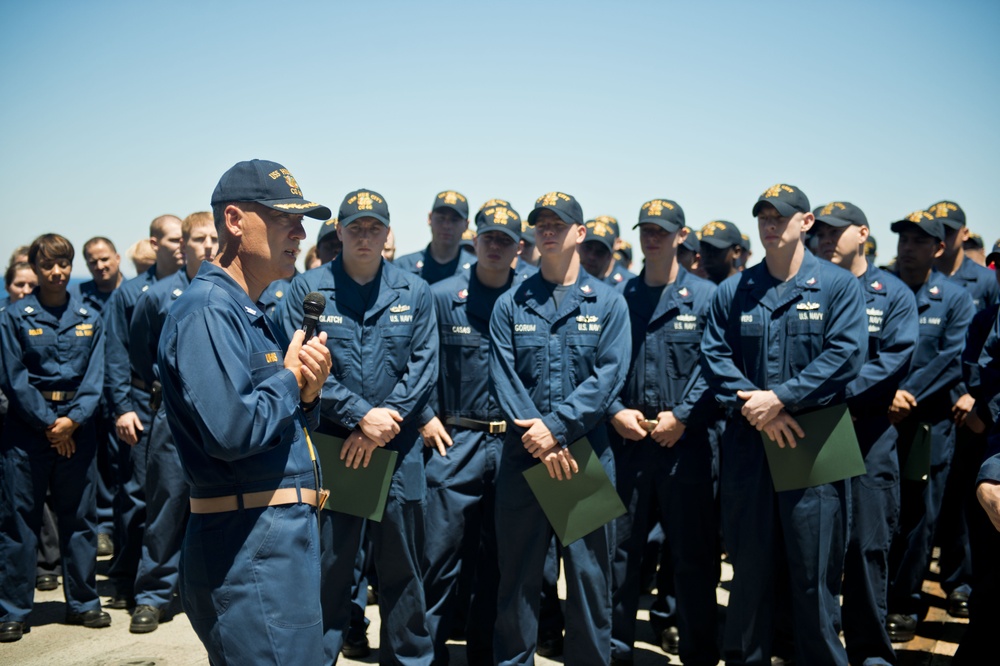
(115,112)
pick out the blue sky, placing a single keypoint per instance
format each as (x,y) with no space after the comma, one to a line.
(116,112)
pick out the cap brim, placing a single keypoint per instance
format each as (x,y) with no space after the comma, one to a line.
(719,243)
(834,221)
(951,224)
(993,258)
(606,241)
(561,215)
(783,208)
(454,207)
(486,228)
(660,222)
(904,225)
(299,207)
(350,218)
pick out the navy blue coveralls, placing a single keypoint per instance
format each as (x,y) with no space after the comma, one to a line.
(271,297)
(104,424)
(384,355)
(127,392)
(982,345)
(461,487)
(945,311)
(955,561)
(892,337)
(665,375)
(422,263)
(249,578)
(566,367)
(804,340)
(166,491)
(42,354)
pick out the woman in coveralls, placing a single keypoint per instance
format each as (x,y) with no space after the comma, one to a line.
(52,370)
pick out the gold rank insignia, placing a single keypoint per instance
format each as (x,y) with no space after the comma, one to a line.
(279,294)
(776,190)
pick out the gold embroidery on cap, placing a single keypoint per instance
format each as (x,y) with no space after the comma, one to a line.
(711,228)
(655,207)
(941,209)
(827,209)
(776,190)
(451,198)
(494,202)
(918,215)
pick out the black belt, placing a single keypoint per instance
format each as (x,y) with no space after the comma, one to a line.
(139,384)
(492,427)
(59,396)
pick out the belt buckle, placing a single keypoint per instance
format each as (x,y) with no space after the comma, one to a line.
(324,495)
(498,427)
(57,396)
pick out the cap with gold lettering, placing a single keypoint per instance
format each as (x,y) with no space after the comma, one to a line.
(499,218)
(563,205)
(624,251)
(268,184)
(664,213)
(602,229)
(363,203)
(871,247)
(994,256)
(492,203)
(327,228)
(692,241)
(453,200)
(721,234)
(841,214)
(950,214)
(922,220)
(787,199)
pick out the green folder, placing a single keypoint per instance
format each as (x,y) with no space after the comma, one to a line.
(829,452)
(577,506)
(358,492)
(918,463)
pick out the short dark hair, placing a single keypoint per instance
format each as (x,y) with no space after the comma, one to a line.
(97,240)
(50,246)
(8,277)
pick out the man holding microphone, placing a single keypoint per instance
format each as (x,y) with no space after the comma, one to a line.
(237,397)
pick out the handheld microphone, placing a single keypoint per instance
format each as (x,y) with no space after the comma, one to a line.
(313,305)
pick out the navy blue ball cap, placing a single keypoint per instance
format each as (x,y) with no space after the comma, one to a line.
(563,205)
(721,234)
(693,240)
(664,213)
(527,232)
(363,203)
(787,199)
(994,256)
(841,214)
(327,228)
(499,218)
(624,251)
(270,185)
(871,247)
(921,220)
(973,242)
(453,200)
(492,203)
(602,229)
(950,214)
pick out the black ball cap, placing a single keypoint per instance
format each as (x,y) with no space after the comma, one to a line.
(266,183)
(363,203)
(452,200)
(563,205)
(603,230)
(841,214)
(721,234)
(921,220)
(787,199)
(664,213)
(949,212)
